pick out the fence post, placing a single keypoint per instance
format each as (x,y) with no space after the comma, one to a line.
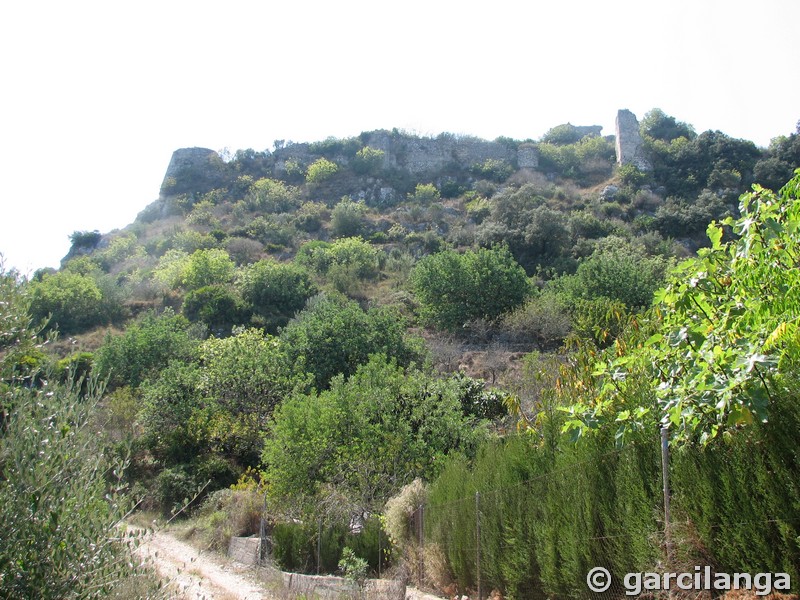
(665,472)
(380,550)
(421,544)
(262,533)
(319,544)
(478,540)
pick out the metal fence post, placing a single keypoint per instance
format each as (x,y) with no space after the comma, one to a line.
(478,540)
(421,543)
(319,545)
(665,472)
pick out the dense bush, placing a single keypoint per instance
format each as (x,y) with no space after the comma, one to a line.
(217,306)
(320,170)
(275,291)
(357,443)
(333,335)
(61,493)
(454,289)
(146,346)
(348,218)
(73,302)
(547,517)
(617,271)
(536,234)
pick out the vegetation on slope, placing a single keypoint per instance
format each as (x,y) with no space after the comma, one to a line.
(319,323)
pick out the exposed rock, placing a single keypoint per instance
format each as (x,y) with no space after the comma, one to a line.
(609,192)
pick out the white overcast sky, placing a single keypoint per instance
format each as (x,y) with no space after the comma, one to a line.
(95,96)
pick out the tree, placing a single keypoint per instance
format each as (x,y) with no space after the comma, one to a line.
(145,348)
(783,157)
(425,193)
(320,170)
(218,307)
(536,234)
(73,302)
(368,161)
(365,437)
(272,196)
(345,262)
(207,267)
(61,491)
(725,330)
(84,240)
(617,271)
(454,289)
(333,335)
(660,126)
(276,291)
(347,218)
(247,375)
(244,377)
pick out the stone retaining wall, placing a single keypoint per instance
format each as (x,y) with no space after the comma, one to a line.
(244,550)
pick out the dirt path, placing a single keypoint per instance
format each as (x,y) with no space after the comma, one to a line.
(197,575)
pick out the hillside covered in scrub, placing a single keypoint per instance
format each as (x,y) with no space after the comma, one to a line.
(354,327)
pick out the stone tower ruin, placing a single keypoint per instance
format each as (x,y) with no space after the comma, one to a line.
(630,146)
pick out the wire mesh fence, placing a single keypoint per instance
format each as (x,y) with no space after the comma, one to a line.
(524,521)
(591,528)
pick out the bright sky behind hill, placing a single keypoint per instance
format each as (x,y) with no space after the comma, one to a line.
(97,95)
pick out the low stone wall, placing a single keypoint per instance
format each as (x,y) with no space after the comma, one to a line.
(327,587)
(244,550)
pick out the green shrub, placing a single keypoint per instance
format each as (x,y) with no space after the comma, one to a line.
(145,348)
(218,307)
(454,289)
(492,169)
(348,218)
(333,335)
(61,491)
(546,517)
(320,170)
(73,302)
(275,291)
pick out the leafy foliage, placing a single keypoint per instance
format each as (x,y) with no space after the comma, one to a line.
(454,289)
(73,302)
(145,348)
(333,335)
(207,267)
(726,327)
(61,493)
(366,436)
(320,170)
(536,234)
(275,291)
(617,271)
(218,307)
(272,196)
(347,218)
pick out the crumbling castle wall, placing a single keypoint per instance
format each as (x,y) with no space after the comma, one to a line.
(629,143)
